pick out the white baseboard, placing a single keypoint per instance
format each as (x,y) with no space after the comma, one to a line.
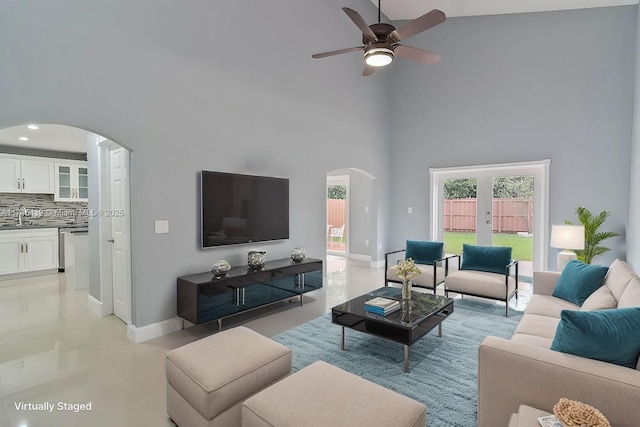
(95,306)
(359,257)
(377,264)
(367,259)
(154,330)
(28,274)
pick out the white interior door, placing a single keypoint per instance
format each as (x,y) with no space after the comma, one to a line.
(119,212)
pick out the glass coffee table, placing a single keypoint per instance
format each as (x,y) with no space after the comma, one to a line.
(413,321)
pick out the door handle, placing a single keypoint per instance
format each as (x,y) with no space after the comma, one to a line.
(26,248)
(112,240)
(21,248)
(488,221)
(19,186)
(23,184)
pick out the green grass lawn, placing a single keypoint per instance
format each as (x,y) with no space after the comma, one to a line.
(522,246)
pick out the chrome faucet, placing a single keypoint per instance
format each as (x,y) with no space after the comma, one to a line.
(21,211)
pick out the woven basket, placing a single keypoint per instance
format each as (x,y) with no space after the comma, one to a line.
(576,414)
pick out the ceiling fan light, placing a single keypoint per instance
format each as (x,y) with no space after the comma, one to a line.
(378,57)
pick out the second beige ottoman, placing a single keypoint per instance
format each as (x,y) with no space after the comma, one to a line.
(208,379)
(323,395)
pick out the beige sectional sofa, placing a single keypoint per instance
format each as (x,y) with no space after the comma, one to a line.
(525,371)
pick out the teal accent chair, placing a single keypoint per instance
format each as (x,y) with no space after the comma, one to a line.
(428,257)
(485,271)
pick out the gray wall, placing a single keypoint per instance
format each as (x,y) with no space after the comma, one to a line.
(95,238)
(189,88)
(217,86)
(516,88)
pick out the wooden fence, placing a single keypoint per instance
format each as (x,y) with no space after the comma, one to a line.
(509,215)
(336,212)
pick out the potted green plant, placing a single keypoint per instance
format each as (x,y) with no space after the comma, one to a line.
(592,237)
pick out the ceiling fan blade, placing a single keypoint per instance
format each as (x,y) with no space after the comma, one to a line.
(361,23)
(418,25)
(368,70)
(416,54)
(337,52)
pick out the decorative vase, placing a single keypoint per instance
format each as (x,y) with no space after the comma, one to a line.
(405,314)
(220,268)
(298,254)
(256,259)
(406,290)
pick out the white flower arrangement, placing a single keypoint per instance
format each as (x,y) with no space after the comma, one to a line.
(407,270)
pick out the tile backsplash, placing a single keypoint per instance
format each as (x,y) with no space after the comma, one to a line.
(40,209)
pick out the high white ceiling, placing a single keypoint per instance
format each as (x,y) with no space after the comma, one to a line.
(411,9)
(69,139)
(47,137)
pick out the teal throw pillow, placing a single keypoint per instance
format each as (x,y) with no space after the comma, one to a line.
(608,335)
(492,259)
(579,280)
(423,251)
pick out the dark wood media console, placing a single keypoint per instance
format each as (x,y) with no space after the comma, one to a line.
(203,298)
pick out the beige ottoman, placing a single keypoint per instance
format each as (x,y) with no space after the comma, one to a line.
(207,380)
(323,395)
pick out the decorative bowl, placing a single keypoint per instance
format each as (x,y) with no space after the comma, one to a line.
(220,268)
(298,254)
(577,414)
(256,259)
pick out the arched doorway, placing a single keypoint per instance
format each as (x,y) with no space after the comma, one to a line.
(356,190)
(76,189)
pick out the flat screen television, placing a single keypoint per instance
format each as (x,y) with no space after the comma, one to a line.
(243,208)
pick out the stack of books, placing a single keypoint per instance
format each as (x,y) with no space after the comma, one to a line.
(381,305)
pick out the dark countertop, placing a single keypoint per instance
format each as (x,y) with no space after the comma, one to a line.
(53,225)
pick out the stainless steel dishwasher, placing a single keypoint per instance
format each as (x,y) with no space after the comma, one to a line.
(61,232)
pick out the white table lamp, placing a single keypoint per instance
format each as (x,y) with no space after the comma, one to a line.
(567,237)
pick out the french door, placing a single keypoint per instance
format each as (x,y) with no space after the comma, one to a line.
(502,205)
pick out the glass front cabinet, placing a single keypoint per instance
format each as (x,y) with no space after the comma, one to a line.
(72,182)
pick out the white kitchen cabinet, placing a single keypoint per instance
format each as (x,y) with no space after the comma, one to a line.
(71,182)
(26,175)
(41,252)
(11,254)
(29,250)
(10,175)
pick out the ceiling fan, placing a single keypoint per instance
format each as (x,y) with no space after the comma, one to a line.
(380,41)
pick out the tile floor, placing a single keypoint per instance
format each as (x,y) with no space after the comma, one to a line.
(53,349)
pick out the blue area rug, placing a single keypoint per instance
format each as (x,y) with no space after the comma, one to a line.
(443,371)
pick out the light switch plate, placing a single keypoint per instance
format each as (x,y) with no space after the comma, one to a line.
(162,226)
